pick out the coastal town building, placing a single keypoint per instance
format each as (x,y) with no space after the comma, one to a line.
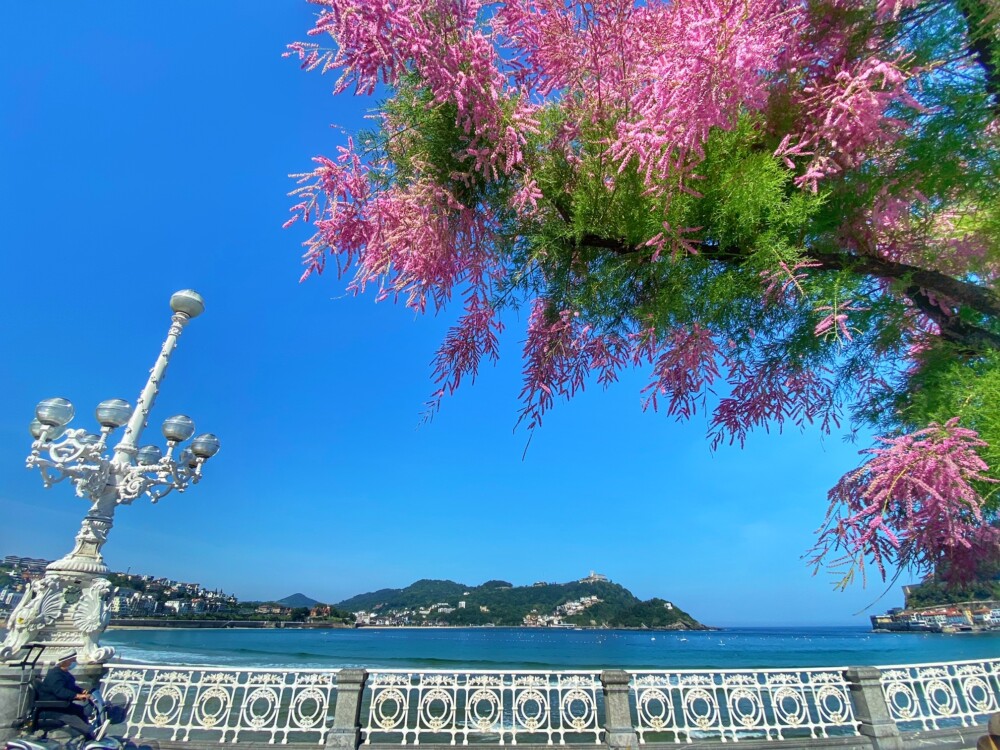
(30,564)
(132,595)
(273,609)
(9,597)
(953,618)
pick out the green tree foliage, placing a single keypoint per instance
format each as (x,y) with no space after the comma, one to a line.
(934,593)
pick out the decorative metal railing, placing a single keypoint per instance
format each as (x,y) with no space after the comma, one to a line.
(767,704)
(455,707)
(212,704)
(223,705)
(933,696)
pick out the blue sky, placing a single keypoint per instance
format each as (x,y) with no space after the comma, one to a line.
(145,149)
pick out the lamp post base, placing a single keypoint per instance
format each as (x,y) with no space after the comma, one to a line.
(65,610)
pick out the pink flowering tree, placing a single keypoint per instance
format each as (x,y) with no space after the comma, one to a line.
(787,212)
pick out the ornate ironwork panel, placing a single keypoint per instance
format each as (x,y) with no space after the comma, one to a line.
(766,704)
(483,707)
(224,705)
(932,696)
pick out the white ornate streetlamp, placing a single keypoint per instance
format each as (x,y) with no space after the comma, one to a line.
(67,609)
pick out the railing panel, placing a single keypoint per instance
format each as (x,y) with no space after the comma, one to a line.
(937,696)
(224,705)
(213,704)
(772,704)
(482,707)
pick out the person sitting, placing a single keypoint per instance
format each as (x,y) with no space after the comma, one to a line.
(59,685)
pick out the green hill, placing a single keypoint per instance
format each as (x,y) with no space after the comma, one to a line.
(298,600)
(935,593)
(419,594)
(500,603)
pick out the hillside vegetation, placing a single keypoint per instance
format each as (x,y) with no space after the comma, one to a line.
(500,603)
(936,593)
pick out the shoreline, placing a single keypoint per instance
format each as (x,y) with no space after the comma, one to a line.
(180,624)
(268,625)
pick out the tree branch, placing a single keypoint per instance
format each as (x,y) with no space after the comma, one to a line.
(972,338)
(981,30)
(973,296)
(920,285)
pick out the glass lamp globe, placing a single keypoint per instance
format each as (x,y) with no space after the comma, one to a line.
(148,455)
(113,413)
(206,445)
(90,438)
(178,429)
(189,302)
(54,412)
(187,458)
(49,432)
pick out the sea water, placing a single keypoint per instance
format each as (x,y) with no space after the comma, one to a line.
(468,649)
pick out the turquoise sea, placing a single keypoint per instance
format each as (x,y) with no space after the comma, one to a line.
(540,648)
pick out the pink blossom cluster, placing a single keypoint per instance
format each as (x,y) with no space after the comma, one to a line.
(474,337)
(705,62)
(560,353)
(679,240)
(684,364)
(916,500)
(414,242)
(892,8)
(575,46)
(840,90)
(456,60)
(336,193)
(834,323)
(844,117)
(775,393)
(784,283)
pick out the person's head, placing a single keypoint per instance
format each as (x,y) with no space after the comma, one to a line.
(66,659)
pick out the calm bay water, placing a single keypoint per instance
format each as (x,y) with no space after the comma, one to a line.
(534,648)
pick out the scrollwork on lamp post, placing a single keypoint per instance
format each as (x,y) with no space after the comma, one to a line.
(68,607)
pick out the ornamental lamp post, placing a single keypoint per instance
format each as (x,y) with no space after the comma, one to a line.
(68,608)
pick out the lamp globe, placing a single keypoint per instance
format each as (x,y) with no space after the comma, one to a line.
(148,455)
(54,412)
(189,302)
(113,413)
(179,428)
(205,445)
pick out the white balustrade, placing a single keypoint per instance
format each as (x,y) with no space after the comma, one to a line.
(407,707)
(764,704)
(223,705)
(933,696)
(490,706)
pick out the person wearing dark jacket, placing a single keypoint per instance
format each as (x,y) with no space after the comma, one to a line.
(59,685)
